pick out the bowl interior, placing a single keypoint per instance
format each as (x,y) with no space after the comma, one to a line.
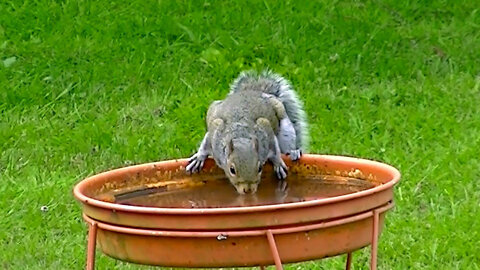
(166,185)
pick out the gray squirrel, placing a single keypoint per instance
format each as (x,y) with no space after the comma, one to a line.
(260,118)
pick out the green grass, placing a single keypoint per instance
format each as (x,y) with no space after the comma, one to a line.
(87,86)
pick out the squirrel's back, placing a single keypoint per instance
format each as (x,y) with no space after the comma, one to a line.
(274,84)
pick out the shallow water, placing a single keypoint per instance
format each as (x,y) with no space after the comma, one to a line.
(220,193)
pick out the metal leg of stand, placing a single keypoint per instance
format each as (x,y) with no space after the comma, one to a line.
(92,243)
(373,253)
(274,250)
(349,261)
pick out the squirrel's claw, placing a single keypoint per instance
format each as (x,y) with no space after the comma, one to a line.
(195,163)
(295,154)
(280,170)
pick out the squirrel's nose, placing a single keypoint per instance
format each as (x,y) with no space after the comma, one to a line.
(250,189)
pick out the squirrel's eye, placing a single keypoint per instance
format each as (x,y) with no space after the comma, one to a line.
(259,169)
(232,170)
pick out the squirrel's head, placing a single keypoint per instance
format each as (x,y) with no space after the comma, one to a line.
(243,168)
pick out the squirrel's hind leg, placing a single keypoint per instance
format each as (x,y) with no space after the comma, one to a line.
(287,139)
(196,162)
(286,136)
(275,157)
(273,154)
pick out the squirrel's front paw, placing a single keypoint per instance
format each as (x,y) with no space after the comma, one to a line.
(195,163)
(280,170)
(295,154)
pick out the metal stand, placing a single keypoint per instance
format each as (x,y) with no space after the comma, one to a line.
(92,243)
(373,252)
(374,246)
(273,248)
(349,261)
(375,214)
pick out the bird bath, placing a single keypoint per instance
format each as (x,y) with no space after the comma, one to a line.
(156,214)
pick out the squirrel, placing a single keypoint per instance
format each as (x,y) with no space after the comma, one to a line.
(260,119)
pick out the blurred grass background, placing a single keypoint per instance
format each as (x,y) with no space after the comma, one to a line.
(86,86)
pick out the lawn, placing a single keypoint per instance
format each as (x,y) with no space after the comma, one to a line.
(86,86)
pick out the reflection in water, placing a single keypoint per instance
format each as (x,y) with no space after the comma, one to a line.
(220,193)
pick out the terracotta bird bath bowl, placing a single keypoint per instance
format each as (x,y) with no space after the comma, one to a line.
(156,214)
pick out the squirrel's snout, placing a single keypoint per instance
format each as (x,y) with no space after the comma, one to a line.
(246,188)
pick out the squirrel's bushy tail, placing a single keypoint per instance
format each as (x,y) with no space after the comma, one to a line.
(274,84)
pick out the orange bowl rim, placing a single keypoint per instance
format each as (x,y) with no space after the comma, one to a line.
(78,194)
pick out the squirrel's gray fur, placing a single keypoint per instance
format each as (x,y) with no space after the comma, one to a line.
(259,119)
(274,84)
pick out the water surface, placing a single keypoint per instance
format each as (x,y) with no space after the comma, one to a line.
(220,193)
